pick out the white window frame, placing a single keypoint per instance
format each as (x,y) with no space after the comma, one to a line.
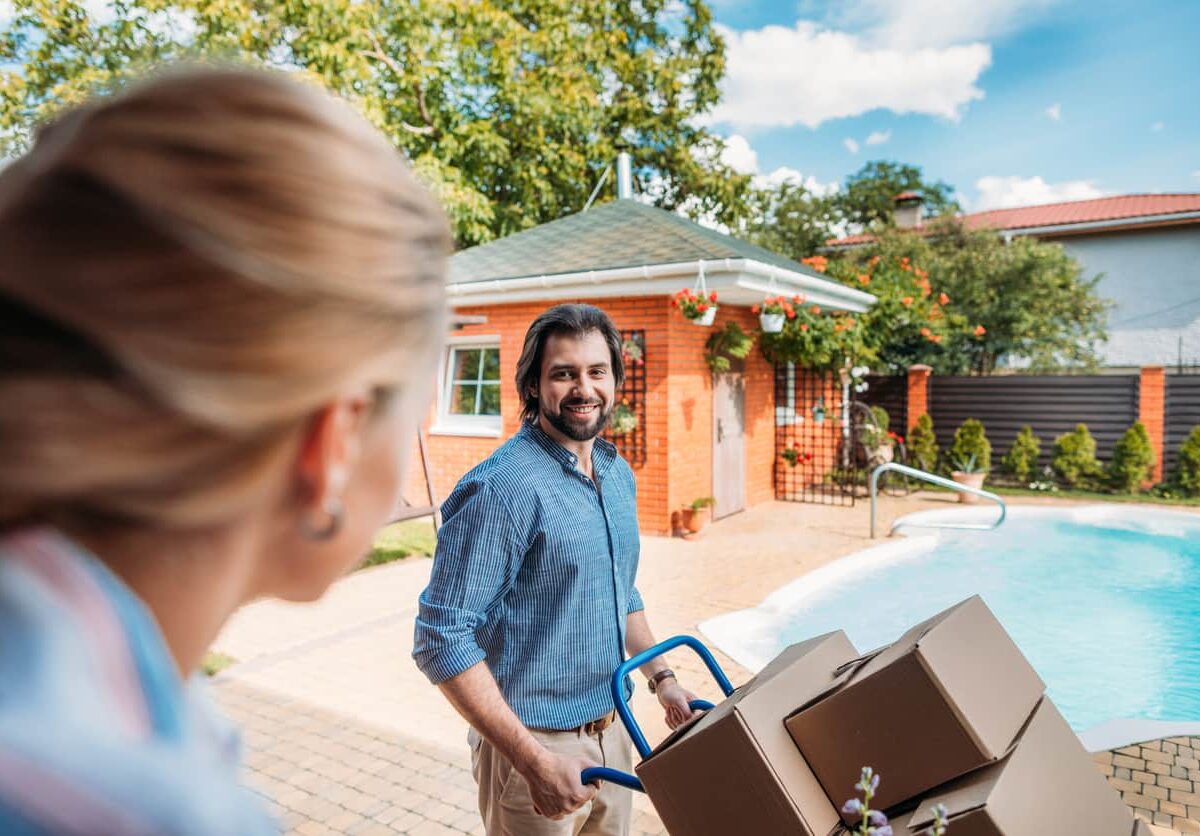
(449,423)
(785,413)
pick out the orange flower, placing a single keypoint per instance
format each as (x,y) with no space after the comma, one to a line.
(906,301)
(925,332)
(863,278)
(980,330)
(921,273)
(815,309)
(943,298)
(816,262)
(937,338)
(874,260)
(851,322)
(791,313)
(803,326)
(789,310)
(755,309)
(798,299)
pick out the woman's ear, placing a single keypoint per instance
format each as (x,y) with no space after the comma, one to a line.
(329,450)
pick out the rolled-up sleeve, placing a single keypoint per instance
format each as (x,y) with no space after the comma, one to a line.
(635,601)
(477,558)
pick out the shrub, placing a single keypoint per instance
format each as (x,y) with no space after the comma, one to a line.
(1021,459)
(1187,471)
(1132,459)
(1075,457)
(922,444)
(970,441)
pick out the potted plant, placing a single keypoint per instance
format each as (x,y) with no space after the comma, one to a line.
(624,420)
(695,516)
(795,456)
(968,472)
(699,310)
(877,440)
(774,312)
(631,351)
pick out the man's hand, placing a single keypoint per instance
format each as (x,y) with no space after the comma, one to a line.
(674,698)
(555,787)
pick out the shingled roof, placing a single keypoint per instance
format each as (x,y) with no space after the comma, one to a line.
(623,233)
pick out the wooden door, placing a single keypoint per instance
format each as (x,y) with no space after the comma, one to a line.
(729,444)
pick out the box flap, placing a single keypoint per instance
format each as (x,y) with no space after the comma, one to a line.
(965,651)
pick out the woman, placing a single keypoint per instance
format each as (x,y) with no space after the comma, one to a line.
(221,295)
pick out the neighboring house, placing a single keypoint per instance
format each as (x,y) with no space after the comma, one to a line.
(1145,248)
(697,435)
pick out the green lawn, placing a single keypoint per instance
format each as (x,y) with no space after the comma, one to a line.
(411,537)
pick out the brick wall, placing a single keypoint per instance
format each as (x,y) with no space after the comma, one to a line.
(1151,412)
(1158,779)
(678,466)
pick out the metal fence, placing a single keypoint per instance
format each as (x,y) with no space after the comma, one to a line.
(889,391)
(1182,414)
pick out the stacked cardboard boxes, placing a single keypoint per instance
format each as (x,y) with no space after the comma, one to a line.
(950,714)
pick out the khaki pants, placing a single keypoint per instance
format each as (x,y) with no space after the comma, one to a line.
(507,807)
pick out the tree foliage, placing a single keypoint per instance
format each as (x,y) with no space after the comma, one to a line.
(868,197)
(510,109)
(1021,459)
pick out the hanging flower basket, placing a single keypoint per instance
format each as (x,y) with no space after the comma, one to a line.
(699,309)
(772,323)
(624,420)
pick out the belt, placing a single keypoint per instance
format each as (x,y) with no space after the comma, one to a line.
(591,728)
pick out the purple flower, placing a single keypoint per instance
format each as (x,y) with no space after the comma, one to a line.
(852,806)
(877,818)
(886,830)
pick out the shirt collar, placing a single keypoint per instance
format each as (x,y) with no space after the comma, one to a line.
(604,453)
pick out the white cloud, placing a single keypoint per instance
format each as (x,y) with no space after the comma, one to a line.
(851,145)
(935,23)
(808,75)
(879,137)
(1055,112)
(1009,192)
(1196,174)
(1158,126)
(739,156)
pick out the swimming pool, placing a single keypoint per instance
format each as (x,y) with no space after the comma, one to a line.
(1104,601)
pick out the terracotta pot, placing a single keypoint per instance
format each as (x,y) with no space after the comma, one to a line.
(882,454)
(771,323)
(971,480)
(706,319)
(694,519)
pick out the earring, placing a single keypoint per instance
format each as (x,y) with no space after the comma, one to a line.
(336,515)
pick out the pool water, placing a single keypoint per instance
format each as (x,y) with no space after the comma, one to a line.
(1105,604)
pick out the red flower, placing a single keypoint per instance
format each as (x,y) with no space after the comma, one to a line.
(980,330)
(864,279)
(943,298)
(791,314)
(712,297)
(702,307)
(755,309)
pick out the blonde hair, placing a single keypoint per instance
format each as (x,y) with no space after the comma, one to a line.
(188,271)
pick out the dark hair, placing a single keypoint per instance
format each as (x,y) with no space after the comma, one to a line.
(575,320)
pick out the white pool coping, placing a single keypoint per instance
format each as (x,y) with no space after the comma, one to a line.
(733,632)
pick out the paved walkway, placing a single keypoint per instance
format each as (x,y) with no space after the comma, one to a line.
(344,734)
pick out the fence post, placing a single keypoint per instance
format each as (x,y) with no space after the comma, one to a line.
(1151,412)
(918,393)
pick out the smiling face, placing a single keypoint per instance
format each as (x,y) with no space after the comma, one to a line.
(576,387)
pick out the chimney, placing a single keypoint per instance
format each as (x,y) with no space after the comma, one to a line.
(907,211)
(624,176)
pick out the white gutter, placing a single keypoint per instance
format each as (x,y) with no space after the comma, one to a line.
(642,281)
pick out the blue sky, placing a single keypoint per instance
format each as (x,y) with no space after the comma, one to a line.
(1013,102)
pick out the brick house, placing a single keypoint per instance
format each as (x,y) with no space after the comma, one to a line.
(698,434)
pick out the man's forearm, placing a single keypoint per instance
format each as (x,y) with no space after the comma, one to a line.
(476,696)
(638,637)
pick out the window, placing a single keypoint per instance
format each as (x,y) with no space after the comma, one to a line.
(469,401)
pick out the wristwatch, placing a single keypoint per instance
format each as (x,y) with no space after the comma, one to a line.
(652,682)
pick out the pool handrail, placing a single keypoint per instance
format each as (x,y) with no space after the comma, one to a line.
(941,481)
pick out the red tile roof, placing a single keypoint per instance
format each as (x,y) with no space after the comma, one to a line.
(1115,209)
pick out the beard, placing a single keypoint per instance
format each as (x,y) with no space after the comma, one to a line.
(575,427)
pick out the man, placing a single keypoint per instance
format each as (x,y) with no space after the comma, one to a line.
(532,603)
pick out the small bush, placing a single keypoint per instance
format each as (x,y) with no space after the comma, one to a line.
(970,441)
(922,444)
(1132,459)
(1021,459)
(875,435)
(1075,458)
(1187,471)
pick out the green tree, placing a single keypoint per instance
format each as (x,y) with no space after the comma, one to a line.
(1188,469)
(510,109)
(868,197)
(971,444)
(1021,459)
(922,444)
(790,220)
(1025,301)
(1132,459)
(1075,457)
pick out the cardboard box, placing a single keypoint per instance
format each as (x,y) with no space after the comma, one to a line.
(1140,828)
(736,770)
(1048,784)
(948,697)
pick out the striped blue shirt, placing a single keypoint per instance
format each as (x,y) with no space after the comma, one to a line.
(534,573)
